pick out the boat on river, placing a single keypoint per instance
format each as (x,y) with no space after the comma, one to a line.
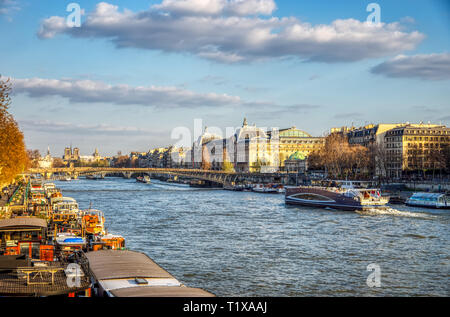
(266,189)
(429,200)
(238,188)
(397,200)
(49,186)
(143,179)
(93,222)
(335,197)
(38,199)
(31,263)
(95,176)
(64,203)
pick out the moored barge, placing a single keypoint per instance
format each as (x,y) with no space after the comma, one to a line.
(118,273)
(429,200)
(66,251)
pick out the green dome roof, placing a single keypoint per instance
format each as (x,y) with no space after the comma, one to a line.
(297,156)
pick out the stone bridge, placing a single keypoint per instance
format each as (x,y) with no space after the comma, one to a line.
(220,177)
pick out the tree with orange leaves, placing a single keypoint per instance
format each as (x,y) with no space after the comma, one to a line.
(13,155)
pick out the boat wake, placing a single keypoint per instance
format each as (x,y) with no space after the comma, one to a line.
(393,212)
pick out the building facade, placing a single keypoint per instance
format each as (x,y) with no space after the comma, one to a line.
(71,155)
(370,134)
(398,147)
(296,163)
(46,161)
(251,149)
(416,148)
(95,157)
(294,141)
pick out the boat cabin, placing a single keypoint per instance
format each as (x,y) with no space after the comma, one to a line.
(64,204)
(25,236)
(67,244)
(113,242)
(65,213)
(431,200)
(48,186)
(36,186)
(38,198)
(51,191)
(93,221)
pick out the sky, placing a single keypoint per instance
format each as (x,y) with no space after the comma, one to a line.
(134,71)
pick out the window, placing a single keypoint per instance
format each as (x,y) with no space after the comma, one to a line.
(311,197)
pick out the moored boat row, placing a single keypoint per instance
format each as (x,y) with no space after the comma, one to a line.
(268,188)
(95,176)
(39,247)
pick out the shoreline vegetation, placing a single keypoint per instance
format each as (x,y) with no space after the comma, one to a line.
(13,154)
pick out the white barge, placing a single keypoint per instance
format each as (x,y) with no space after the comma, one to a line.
(429,200)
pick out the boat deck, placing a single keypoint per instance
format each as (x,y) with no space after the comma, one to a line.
(39,281)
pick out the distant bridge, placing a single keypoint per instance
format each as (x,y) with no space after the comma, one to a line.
(220,177)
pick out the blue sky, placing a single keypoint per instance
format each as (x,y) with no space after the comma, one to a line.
(125,79)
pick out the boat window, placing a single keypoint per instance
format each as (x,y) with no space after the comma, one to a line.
(309,196)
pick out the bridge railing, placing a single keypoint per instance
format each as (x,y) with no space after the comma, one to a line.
(86,170)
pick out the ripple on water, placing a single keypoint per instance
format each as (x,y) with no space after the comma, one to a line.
(393,212)
(249,244)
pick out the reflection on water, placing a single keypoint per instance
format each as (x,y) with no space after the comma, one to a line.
(250,244)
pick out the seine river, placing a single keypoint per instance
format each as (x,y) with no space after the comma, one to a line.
(250,244)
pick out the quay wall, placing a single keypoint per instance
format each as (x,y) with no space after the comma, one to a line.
(432,187)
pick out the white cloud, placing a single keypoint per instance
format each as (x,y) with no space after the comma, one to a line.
(88,91)
(106,137)
(7,7)
(233,31)
(408,20)
(52,26)
(424,66)
(250,7)
(216,7)
(184,7)
(51,126)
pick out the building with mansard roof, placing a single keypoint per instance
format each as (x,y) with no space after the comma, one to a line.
(416,148)
(251,148)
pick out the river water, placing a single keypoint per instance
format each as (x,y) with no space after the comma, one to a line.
(251,244)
